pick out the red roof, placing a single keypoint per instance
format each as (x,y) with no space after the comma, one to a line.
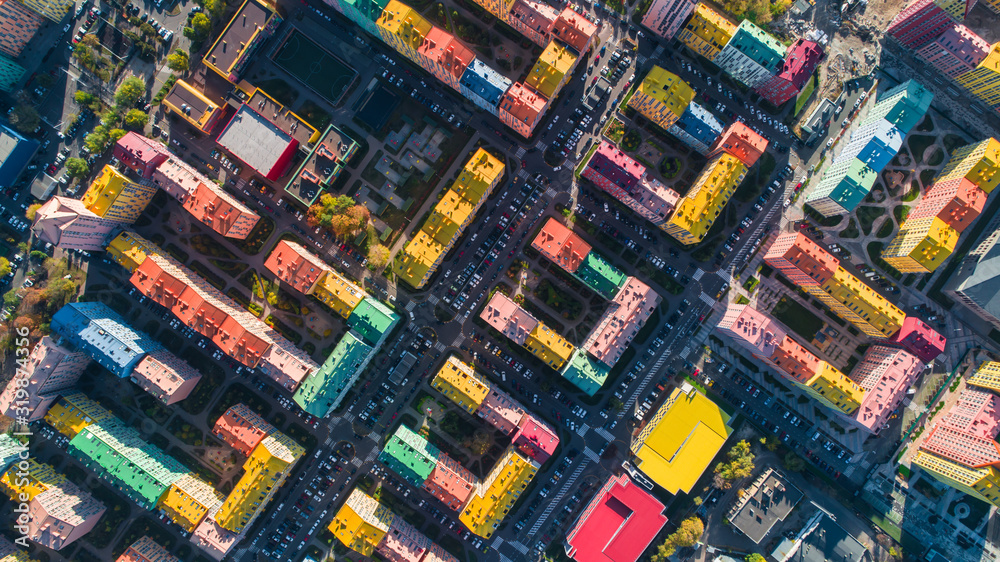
(617,525)
(295,265)
(561,245)
(920,339)
(536,439)
(740,141)
(801,62)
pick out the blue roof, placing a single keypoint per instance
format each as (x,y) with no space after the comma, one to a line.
(15,153)
(100,332)
(483,81)
(699,123)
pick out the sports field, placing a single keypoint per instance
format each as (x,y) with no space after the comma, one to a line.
(322,72)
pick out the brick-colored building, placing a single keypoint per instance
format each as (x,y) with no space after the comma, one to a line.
(533,19)
(296,266)
(68,224)
(18,25)
(146,550)
(140,154)
(919,339)
(800,63)
(561,245)
(205,200)
(521,108)
(450,482)
(740,141)
(50,370)
(165,376)
(241,428)
(665,17)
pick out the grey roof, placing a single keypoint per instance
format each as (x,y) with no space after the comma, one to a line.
(772,499)
(821,540)
(15,152)
(979,281)
(254,140)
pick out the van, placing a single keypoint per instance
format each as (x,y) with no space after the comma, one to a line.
(815,436)
(870,274)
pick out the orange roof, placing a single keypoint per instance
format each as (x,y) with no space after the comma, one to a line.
(573,29)
(450,482)
(295,265)
(217,209)
(447,51)
(957,202)
(740,141)
(811,259)
(797,361)
(561,245)
(523,103)
(241,428)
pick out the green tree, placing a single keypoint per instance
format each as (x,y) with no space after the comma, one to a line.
(31,211)
(179,60)
(793,463)
(83,98)
(754,557)
(201,25)
(739,464)
(115,134)
(4,267)
(97,140)
(147,29)
(340,215)
(378,257)
(77,167)
(136,119)
(214,7)
(25,119)
(686,535)
(131,90)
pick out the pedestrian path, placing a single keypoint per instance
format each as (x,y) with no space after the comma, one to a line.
(540,145)
(520,152)
(431,299)
(590,454)
(523,174)
(697,274)
(409,306)
(582,430)
(458,340)
(706,299)
(725,276)
(519,547)
(604,433)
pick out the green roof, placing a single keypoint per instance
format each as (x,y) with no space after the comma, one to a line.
(904,106)
(410,456)
(759,45)
(119,455)
(372,320)
(598,274)
(323,391)
(585,372)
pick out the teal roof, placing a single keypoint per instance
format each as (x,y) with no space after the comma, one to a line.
(759,45)
(585,372)
(10,450)
(410,456)
(904,106)
(847,183)
(598,274)
(373,320)
(119,455)
(321,392)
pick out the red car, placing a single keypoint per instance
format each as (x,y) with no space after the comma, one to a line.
(51,169)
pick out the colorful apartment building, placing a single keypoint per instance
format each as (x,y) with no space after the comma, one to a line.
(264,472)
(624,317)
(535,439)
(753,56)
(326,161)
(98,331)
(484,86)
(445,57)
(73,412)
(129,250)
(544,343)
(458,382)
(403,29)
(574,30)
(665,17)
(698,128)
(816,271)
(54,10)
(410,456)
(212,539)
(920,23)
(919,339)
(258,142)
(457,208)
(51,369)
(662,97)
(496,494)
(10,553)
(205,200)
(533,19)
(252,25)
(140,154)
(322,392)
(984,80)
(118,454)
(885,374)
(961,449)
(338,293)
(921,245)
(676,446)
(842,188)
(618,524)
(365,13)
(18,25)
(296,266)
(585,372)
(561,245)
(146,550)
(627,181)
(450,482)
(188,501)
(113,196)
(958,50)
(800,63)
(697,211)
(188,103)
(372,321)
(707,32)
(521,108)
(68,224)
(502,411)
(978,163)
(904,105)
(241,428)
(552,69)
(165,376)
(10,73)
(740,141)
(59,512)
(361,523)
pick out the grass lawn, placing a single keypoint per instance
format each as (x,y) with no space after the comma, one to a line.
(867,216)
(885,230)
(800,102)
(615,131)
(900,212)
(797,317)
(583,163)
(851,231)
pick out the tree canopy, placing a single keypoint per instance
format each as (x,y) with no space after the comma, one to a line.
(378,257)
(31,211)
(25,119)
(340,215)
(687,534)
(136,119)
(738,465)
(130,91)
(77,167)
(754,557)
(201,25)
(179,60)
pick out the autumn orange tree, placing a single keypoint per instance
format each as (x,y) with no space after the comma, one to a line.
(340,215)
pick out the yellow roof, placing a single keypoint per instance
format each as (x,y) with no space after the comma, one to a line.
(551,68)
(667,88)
(978,162)
(705,13)
(188,500)
(983,483)
(850,291)
(544,343)
(987,376)
(361,523)
(130,250)
(448,217)
(415,261)
(264,471)
(924,242)
(698,210)
(479,176)
(678,444)
(459,382)
(405,23)
(836,388)
(494,496)
(104,190)
(335,291)
(39,478)
(74,412)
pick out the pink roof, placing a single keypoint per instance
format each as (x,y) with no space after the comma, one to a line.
(403,542)
(801,61)
(561,245)
(241,428)
(501,411)
(165,376)
(976,412)
(536,439)
(752,328)
(627,313)
(523,104)
(139,152)
(628,167)
(920,339)
(447,51)
(963,448)
(574,30)
(450,482)
(295,265)
(885,374)
(617,525)
(213,539)
(506,317)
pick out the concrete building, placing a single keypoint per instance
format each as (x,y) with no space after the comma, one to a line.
(258,143)
(800,63)
(185,101)
(680,441)
(697,211)
(140,154)
(10,73)
(552,69)
(497,493)
(296,266)
(958,50)
(205,200)
(73,412)
(51,369)
(264,471)
(252,25)
(146,550)
(457,208)
(168,378)
(821,538)
(242,429)
(618,524)
(707,32)
(20,151)
(98,331)
(920,23)
(521,108)
(59,512)
(623,319)
(322,392)
(698,128)
(662,97)
(458,382)
(752,56)
(815,270)
(767,501)
(327,160)
(919,339)
(54,10)
(976,281)
(18,25)
(626,180)
(68,224)
(112,196)
(740,141)
(665,17)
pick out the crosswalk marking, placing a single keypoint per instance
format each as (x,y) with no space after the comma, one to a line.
(497,543)
(519,547)
(357,462)
(522,173)
(431,299)
(707,299)
(582,430)
(604,433)
(725,276)
(558,497)
(502,557)
(348,416)
(520,152)
(591,454)
(458,340)
(540,145)
(697,274)
(410,305)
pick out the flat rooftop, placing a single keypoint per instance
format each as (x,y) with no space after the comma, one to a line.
(246,22)
(770,499)
(328,157)
(290,123)
(255,140)
(190,101)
